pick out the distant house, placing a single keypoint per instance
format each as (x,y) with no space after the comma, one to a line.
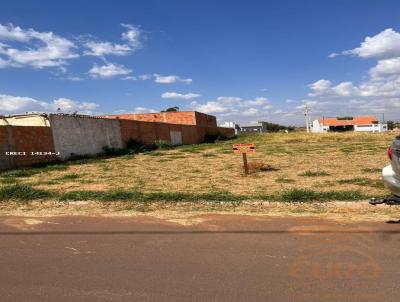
(357,123)
(251,129)
(232,125)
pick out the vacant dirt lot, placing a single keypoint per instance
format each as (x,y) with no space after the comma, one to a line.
(343,161)
(294,174)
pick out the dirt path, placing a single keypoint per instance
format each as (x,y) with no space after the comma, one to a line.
(187,213)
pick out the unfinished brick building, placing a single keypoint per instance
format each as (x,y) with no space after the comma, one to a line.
(181,117)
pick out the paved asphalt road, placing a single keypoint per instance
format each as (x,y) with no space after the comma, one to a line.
(225,258)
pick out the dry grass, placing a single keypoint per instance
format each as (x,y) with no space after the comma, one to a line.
(193,213)
(213,168)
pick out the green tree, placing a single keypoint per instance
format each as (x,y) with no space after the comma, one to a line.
(171,109)
(391,125)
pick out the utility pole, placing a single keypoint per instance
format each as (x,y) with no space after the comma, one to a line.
(307,115)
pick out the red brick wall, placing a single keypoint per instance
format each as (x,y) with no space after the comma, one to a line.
(190,135)
(148,117)
(129,130)
(203,119)
(148,132)
(25,139)
(228,132)
(182,118)
(6,162)
(163,131)
(33,139)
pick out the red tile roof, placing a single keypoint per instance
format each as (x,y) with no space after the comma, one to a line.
(357,120)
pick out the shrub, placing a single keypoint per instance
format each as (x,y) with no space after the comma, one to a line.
(161,144)
(134,145)
(210,138)
(114,151)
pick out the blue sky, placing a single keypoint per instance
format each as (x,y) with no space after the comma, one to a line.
(239,60)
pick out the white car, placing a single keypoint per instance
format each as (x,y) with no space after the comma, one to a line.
(391,175)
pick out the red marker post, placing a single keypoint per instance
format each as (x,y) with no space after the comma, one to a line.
(244,149)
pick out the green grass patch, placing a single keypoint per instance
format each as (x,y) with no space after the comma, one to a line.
(80,195)
(27,193)
(362,181)
(48,168)
(23,193)
(372,170)
(314,173)
(17,173)
(293,195)
(209,155)
(284,180)
(305,195)
(27,172)
(8,180)
(156,153)
(125,195)
(176,157)
(348,150)
(70,176)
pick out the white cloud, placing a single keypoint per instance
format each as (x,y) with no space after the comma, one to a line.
(170,79)
(108,70)
(231,105)
(237,101)
(250,112)
(179,96)
(210,107)
(245,111)
(384,77)
(144,77)
(386,68)
(384,45)
(68,105)
(320,87)
(141,77)
(106,48)
(324,88)
(345,89)
(256,102)
(15,104)
(41,49)
(144,110)
(131,37)
(307,103)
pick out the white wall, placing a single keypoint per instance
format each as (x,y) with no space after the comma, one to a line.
(83,135)
(26,120)
(318,128)
(371,128)
(230,125)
